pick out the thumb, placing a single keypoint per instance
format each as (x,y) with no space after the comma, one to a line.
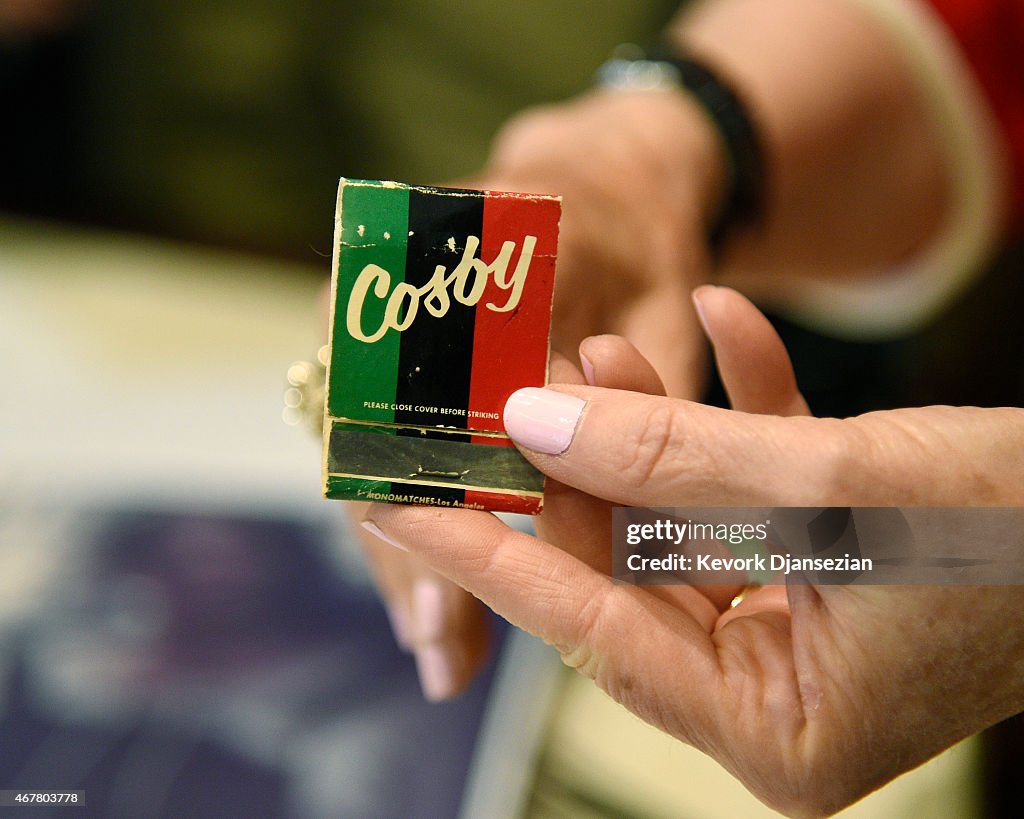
(645,450)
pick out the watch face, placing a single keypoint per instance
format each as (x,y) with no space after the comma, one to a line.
(640,74)
(726,112)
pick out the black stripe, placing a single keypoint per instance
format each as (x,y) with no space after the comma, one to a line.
(436,354)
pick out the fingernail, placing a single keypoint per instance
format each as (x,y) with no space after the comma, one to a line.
(434,662)
(588,369)
(429,616)
(400,627)
(701,316)
(542,420)
(436,672)
(375,530)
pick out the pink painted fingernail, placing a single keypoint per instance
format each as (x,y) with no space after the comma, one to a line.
(434,660)
(430,618)
(375,530)
(400,627)
(588,369)
(543,420)
(436,672)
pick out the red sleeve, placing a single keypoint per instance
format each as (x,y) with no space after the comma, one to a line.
(991,34)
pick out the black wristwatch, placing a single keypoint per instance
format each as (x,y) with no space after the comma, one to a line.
(635,69)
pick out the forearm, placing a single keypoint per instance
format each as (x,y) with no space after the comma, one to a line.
(856,176)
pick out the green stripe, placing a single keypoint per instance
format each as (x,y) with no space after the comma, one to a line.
(344,488)
(374,230)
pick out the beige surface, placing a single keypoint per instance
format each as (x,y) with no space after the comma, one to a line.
(149,367)
(146,372)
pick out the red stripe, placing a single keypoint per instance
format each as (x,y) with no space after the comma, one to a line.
(510,349)
(496,502)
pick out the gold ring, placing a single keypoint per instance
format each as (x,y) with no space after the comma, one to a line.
(739,598)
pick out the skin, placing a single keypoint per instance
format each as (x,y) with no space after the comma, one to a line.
(810,696)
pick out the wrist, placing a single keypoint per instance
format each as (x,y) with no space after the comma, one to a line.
(665,68)
(682,149)
(654,151)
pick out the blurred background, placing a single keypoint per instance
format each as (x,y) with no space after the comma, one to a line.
(185,627)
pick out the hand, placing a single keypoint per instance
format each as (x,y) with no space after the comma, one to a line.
(810,696)
(640,174)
